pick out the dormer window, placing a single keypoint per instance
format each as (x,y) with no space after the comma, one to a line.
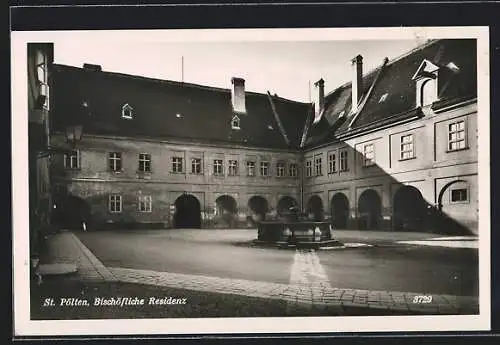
(235,122)
(127,112)
(383,98)
(426,79)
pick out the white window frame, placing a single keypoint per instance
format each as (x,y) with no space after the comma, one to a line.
(115,157)
(235,122)
(145,203)
(457,140)
(308,168)
(459,201)
(332,162)
(251,170)
(232,167)
(218,167)
(196,162)
(368,161)
(144,158)
(127,108)
(264,168)
(115,200)
(280,169)
(177,164)
(72,159)
(403,147)
(293,170)
(318,165)
(343,160)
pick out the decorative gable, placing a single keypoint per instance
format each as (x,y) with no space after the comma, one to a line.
(426,82)
(127,112)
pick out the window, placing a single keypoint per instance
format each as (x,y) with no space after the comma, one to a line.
(308,168)
(218,167)
(250,168)
(233,168)
(280,169)
(456,136)
(196,166)
(145,202)
(177,164)
(127,112)
(383,98)
(72,161)
(343,160)
(368,155)
(459,195)
(407,149)
(115,203)
(428,92)
(318,165)
(293,170)
(144,162)
(115,161)
(264,168)
(332,162)
(235,122)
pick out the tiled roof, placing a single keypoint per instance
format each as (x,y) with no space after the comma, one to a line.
(396,84)
(168,109)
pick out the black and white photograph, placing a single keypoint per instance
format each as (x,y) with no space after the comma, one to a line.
(264,180)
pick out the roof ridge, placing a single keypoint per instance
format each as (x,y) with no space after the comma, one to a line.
(172,82)
(278,120)
(368,94)
(391,61)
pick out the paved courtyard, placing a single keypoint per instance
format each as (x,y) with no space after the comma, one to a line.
(378,270)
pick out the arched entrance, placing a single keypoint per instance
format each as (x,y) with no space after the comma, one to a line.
(226,210)
(285,204)
(70,212)
(409,209)
(259,207)
(340,211)
(315,208)
(187,212)
(369,209)
(454,209)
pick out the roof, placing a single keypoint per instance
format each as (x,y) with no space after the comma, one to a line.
(175,110)
(165,109)
(395,82)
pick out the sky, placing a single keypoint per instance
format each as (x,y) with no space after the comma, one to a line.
(287,68)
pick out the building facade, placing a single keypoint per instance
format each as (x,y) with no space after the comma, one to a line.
(39,60)
(396,148)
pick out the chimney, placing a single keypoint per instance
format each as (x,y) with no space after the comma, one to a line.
(92,67)
(357,81)
(238,95)
(319,100)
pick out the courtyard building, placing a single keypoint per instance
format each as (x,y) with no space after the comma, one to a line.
(395,148)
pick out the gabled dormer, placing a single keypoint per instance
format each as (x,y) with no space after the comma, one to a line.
(127,112)
(235,122)
(426,83)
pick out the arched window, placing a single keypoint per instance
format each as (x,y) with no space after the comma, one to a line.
(428,92)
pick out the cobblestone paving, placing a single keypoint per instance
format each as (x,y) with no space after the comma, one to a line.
(309,285)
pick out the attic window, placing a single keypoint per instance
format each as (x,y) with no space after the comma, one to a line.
(342,113)
(235,122)
(383,97)
(426,80)
(127,112)
(270,127)
(178,115)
